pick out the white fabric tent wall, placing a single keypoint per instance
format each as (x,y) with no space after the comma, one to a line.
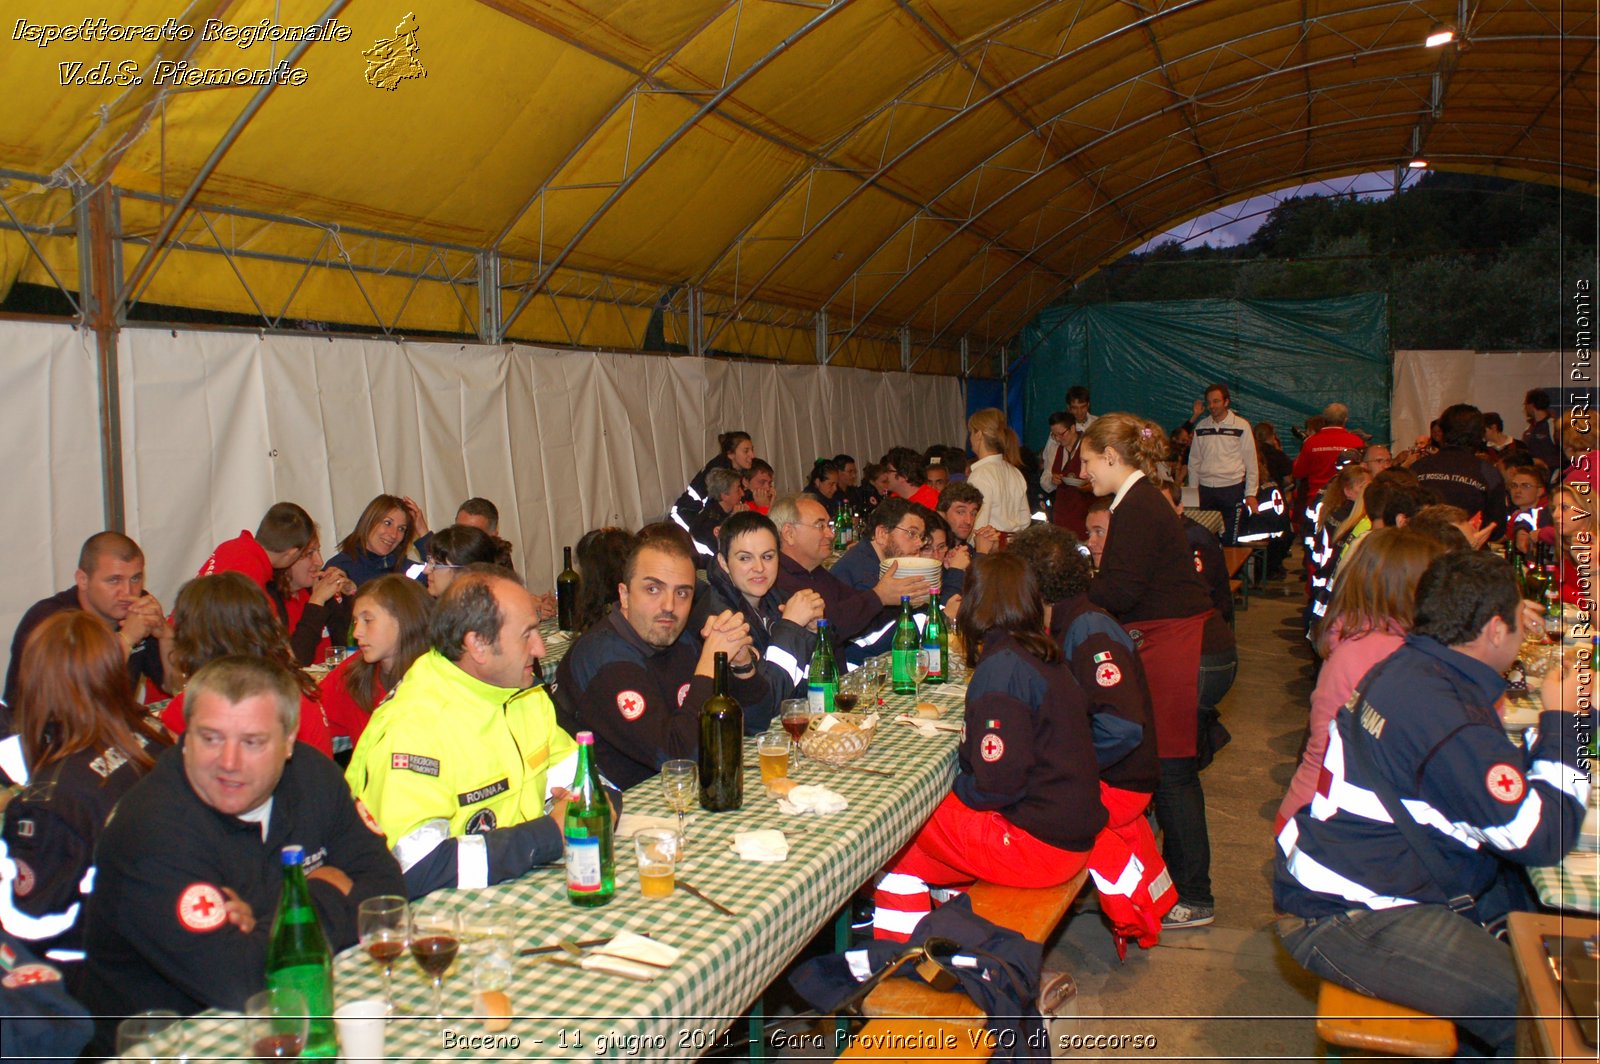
(50,433)
(219,425)
(1425,382)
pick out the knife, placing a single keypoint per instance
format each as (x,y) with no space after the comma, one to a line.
(559,946)
(687,888)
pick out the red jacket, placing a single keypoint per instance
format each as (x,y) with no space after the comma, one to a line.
(345,715)
(1319,456)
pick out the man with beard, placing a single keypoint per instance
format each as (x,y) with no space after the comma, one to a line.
(637,679)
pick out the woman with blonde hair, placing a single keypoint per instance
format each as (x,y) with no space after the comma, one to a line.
(1147,581)
(85,741)
(998,472)
(1370,612)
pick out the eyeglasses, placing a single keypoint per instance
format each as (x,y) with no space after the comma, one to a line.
(919,536)
(430,565)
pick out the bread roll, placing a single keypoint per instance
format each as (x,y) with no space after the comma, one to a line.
(929,711)
(495,1008)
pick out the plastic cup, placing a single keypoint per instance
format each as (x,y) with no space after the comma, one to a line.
(657,852)
(361,1026)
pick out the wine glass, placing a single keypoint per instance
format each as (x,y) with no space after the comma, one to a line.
(152,1036)
(795,716)
(435,941)
(680,783)
(918,675)
(383,923)
(279,1025)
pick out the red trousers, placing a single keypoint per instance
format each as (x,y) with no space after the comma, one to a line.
(956,846)
(1135,889)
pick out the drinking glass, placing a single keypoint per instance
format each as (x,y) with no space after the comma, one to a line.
(278,1023)
(657,852)
(773,750)
(795,716)
(852,693)
(680,783)
(435,941)
(486,940)
(383,924)
(152,1036)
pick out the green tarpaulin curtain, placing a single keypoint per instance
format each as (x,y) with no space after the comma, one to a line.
(1283,359)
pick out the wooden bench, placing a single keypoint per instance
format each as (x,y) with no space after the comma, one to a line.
(1348,1020)
(1032,912)
(915,1040)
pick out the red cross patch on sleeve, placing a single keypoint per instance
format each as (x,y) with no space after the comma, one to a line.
(1505,783)
(201,907)
(630,704)
(1108,675)
(992,747)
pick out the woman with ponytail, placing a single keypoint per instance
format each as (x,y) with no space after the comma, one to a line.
(1147,581)
(998,473)
(822,484)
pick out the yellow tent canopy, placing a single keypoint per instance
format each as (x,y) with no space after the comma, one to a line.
(876,183)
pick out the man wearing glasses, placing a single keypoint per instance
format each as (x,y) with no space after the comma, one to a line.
(805,538)
(898,528)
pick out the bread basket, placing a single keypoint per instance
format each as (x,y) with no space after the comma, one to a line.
(838,745)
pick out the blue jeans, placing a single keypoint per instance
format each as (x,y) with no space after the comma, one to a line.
(1179,806)
(1424,957)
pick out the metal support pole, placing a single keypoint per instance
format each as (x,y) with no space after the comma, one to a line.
(97,283)
(489,328)
(822,337)
(697,321)
(905,349)
(966,364)
(1005,382)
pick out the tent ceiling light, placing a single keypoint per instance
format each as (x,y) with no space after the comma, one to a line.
(1441,35)
(1418,164)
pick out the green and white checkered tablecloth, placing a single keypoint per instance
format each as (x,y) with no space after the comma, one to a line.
(568,1013)
(1574,884)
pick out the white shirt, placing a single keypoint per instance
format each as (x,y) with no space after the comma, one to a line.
(1133,478)
(1005,494)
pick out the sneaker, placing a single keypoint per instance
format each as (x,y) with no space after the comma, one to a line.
(1185,915)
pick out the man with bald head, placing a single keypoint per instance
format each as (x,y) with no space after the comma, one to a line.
(461,764)
(638,678)
(1319,455)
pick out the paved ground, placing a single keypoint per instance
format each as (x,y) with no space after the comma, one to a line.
(1226,992)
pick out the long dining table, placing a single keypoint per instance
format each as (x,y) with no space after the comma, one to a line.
(565,1012)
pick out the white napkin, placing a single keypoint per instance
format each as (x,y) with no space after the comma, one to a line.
(807,798)
(632,956)
(925,727)
(630,824)
(766,844)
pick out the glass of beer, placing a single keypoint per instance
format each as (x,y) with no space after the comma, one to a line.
(657,851)
(773,747)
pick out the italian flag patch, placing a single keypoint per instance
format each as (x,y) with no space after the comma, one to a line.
(990,725)
(1104,655)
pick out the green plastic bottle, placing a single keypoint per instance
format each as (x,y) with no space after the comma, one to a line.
(591,864)
(822,678)
(907,648)
(298,957)
(936,645)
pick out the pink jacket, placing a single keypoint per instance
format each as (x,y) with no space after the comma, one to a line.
(1349,661)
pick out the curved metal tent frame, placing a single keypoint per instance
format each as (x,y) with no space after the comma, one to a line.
(880,183)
